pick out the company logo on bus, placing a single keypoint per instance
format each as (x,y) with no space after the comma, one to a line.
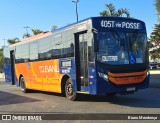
(109,58)
(48,69)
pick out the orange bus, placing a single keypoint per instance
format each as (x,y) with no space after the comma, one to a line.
(99,55)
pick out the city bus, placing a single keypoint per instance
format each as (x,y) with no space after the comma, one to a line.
(96,56)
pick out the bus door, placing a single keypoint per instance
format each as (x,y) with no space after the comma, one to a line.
(81,56)
(12,56)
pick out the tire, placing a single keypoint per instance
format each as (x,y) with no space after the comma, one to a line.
(69,90)
(23,85)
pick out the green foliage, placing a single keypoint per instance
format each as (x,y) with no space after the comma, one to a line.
(155,42)
(36,31)
(150,45)
(157,5)
(155,35)
(26,35)
(54,27)
(1,59)
(122,12)
(155,54)
(13,40)
(111,11)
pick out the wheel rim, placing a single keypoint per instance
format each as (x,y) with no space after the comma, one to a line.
(69,89)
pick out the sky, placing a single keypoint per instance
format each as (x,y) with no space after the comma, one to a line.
(43,14)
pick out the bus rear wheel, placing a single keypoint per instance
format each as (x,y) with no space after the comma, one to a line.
(69,91)
(23,85)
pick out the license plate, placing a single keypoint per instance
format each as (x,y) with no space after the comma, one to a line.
(131,89)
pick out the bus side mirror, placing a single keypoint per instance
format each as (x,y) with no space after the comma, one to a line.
(96,43)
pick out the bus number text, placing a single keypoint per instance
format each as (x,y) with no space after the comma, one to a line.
(107,23)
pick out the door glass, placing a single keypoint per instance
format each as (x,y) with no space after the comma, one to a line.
(83,59)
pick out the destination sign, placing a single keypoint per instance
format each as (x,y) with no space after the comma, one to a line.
(120,24)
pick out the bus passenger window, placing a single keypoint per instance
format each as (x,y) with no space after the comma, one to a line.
(33,51)
(45,49)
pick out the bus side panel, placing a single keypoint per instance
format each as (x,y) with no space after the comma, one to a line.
(67,66)
(41,75)
(23,69)
(70,69)
(92,80)
(49,75)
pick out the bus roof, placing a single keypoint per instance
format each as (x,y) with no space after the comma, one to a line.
(44,34)
(35,37)
(91,18)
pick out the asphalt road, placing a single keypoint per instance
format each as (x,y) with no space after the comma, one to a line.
(155,78)
(12,100)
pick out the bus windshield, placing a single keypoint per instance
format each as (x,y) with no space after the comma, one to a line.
(122,48)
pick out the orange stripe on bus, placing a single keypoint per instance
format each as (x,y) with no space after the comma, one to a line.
(127,74)
(127,80)
(41,75)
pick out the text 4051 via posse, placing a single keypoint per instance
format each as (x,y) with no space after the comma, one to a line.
(114,24)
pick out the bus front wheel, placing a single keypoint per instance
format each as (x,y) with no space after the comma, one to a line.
(69,90)
(23,85)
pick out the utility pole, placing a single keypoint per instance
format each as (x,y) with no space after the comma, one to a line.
(26,29)
(76,2)
(4,41)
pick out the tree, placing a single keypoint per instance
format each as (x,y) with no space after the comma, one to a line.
(154,43)
(54,27)
(155,54)
(157,5)
(36,31)
(111,11)
(26,35)
(13,40)
(1,60)
(155,35)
